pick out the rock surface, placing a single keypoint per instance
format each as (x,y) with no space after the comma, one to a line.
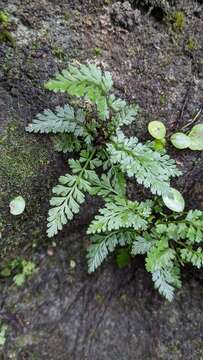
(61,312)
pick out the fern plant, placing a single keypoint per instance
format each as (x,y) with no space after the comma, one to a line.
(92,126)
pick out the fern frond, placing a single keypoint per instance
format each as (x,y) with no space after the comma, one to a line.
(104,244)
(194,215)
(112,183)
(67,143)
(166,280)
(120,213)
(195,257)
(80,81)
(116,104)
(189,228)
(86,81)
(127,115)
(160,256)
(142,244)
(62,119)
(150,168)
(66,203)
(70,194)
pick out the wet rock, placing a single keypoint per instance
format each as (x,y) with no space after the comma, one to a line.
(123,15)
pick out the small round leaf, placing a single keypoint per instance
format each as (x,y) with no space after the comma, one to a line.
(17,205)
(157,129)
(196,137)
(174,200)
(180,141)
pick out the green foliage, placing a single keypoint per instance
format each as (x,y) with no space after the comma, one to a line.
(104,244)
(157,129)
(17,205)
(4,18)
(150,168)
(122,257)
(92,128)
(180,140)
(196,137)
(86,81)
(19,269)
(178,19)
(195,257)
(193,140)
(166,280)
(192,44)
(174,200)
(5,35)
(121,213)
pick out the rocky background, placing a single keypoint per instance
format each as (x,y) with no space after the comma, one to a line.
(153,49)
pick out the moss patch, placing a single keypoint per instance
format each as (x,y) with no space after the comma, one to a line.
(24,162)
(21,158)
(178,20)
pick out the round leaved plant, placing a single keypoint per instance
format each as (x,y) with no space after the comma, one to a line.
(174,200)
(180,140)
(196,137)
(17,205)
(157,129)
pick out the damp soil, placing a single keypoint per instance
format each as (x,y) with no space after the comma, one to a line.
(62,313)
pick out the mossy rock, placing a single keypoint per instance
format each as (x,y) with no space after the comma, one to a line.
(24,164)
(21,158)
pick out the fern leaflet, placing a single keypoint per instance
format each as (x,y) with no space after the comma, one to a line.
(195,257)
(70,195)
(121,213)
(86,81)
(166,280)
(160,256)
(150,168)
(63,119)
(103,244)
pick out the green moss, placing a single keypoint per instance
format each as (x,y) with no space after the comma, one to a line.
(66,16)
(99,298)
(4,18)
(21,157)
(23,163)
(163,99)
(5,35)
(191,44)
(177,19)
(59,53)
(97,51)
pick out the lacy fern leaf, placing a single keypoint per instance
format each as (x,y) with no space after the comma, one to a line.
(190,228)
(86,81)
(70,193)
(160,256)
(104,244)
(67,143)
(195,257)
(63,119)
(166,281)
(120,213)
(142,244)
(127,115)
(152,169)
(66,203)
